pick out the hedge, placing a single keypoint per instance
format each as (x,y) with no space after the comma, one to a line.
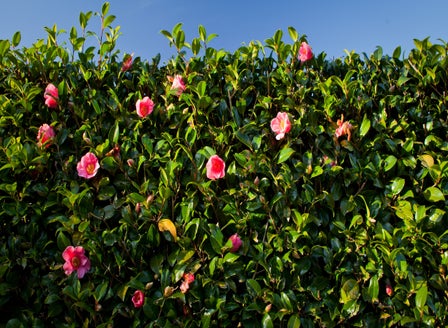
(265,187)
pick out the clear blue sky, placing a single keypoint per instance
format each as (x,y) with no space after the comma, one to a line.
(331,26)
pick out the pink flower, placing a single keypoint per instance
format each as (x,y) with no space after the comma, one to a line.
(138,299)
(280,125)
(215,168)
(344,128)
(88,166)
(75,260)
(188,279)
(305,52)
(127,63)
(236,242)
(144,106)
(178,84)
(51,96)
(389,290)
(45,135)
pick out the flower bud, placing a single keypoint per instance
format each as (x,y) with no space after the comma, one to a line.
(268,308)
(168,291)
(389,290)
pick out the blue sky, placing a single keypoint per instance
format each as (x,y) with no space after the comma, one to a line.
(331,26)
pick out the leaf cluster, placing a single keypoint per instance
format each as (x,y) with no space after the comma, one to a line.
(335,232)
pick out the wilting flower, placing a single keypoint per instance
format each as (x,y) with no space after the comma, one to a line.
(51,96)
(344,128)
(188,279)
(236,242)
(127,63)
(45,135)
(215,168)
(305,52)
(138,299)
(178,84)
(144,106)
(88,166)
(280,125)
(75,260)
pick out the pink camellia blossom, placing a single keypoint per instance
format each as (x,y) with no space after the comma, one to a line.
(138,299)
(178,84)
(45,135)
(236,242)
(75,260)
(51,96)
(88,166)
(281,125)
(305,52)
(188,279)
(127,63)
(215,168)
(344,128)
(144,106)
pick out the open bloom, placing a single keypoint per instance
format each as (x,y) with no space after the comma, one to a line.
(45,135)
(178,84)
(88,166)
(236,242)
(188,279)
(75,260)
(305,52)
(138,299)
(127,63)
(344,128)
(215,168)
(280,125)
(51,96)
(144,106)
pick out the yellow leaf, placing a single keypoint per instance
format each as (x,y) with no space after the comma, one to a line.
(168,225)
(427,160)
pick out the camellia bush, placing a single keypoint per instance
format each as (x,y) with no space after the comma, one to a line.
(268,187)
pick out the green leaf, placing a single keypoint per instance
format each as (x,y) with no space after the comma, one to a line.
(349,291)
(433,194)
(404,210)
(115,133)
(293,33)
(147,144)
(294,321)
(365,126)
(202,33)
(285,154)
(253,286)
(389,162)
(396,186)
(402,80)
(267,321)
(373,289)
(421,296)
(108,21)
(16,39)
(105,8)
(436,215)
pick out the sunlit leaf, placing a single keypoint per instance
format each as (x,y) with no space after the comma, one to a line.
(168,225)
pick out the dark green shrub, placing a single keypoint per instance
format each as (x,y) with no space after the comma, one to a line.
(342,224)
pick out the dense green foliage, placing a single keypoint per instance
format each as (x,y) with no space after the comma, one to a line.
(335,232)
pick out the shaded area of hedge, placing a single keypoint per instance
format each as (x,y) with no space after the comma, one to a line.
(335,231)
